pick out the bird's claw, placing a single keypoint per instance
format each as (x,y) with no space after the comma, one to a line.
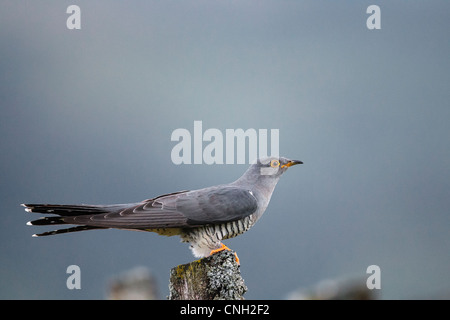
(224,247)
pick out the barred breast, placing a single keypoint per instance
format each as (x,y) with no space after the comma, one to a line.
(207,238)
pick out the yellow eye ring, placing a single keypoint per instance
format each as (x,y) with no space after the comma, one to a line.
(274,163)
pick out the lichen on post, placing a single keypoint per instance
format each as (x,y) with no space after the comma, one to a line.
(216,277)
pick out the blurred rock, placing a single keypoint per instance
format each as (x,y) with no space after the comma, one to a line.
(135,284)
(336,289)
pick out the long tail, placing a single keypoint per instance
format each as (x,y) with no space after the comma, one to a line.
(65,211)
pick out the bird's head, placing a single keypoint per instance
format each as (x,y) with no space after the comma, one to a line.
(267,169)
(274,166)
(264,174)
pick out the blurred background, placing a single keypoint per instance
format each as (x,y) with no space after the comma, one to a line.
(87,117)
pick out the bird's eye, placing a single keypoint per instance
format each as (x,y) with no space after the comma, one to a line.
(274,163)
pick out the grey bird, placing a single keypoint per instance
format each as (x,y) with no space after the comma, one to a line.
(202,217)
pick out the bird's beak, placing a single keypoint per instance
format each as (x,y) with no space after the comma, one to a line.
(292,163)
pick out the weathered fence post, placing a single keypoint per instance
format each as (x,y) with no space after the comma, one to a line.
(216,277)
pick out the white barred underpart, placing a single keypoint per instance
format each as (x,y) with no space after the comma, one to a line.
(207,238)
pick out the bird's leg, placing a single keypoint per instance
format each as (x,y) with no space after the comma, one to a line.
(224,247)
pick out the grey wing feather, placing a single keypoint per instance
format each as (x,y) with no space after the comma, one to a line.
(217,205)
(179,210)
(148,214)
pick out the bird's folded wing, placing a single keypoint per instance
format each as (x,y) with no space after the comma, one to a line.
(178,210)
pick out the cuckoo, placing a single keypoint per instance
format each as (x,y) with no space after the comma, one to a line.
(202,217)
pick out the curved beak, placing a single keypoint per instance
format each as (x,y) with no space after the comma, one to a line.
(292,163)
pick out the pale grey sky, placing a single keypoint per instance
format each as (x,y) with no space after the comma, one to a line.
(87,117)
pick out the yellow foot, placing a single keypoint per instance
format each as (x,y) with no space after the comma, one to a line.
(224,247)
